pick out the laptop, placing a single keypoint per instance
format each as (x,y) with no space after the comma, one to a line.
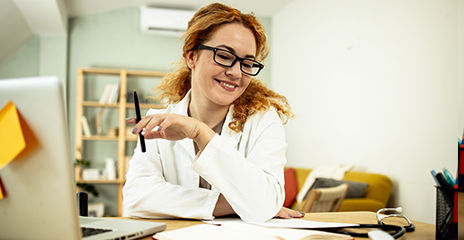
(40,200)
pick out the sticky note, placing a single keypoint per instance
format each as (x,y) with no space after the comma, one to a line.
(12,140)
(2,190)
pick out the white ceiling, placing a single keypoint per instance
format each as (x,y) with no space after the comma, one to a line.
(22,19)
(259,7)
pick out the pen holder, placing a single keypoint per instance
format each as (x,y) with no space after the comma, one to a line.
(445,228)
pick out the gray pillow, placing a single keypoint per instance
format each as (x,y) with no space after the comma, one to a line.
(355,189)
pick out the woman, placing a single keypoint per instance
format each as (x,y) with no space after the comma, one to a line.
(219,148)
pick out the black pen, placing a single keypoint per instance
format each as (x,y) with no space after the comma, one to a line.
(137,113)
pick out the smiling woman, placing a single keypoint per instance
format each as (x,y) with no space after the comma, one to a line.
(219,148)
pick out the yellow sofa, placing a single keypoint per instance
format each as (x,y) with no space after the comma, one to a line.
(375,197)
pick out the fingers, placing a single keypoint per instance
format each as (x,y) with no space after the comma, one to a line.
(131,120)
(154,127)
(296,214)
(145,124)
(284,213)
(168,126)
(289,213)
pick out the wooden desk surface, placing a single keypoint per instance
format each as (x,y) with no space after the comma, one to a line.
(423,231)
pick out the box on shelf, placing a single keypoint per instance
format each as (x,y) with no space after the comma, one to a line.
(92,174)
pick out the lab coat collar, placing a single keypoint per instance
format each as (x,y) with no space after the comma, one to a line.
(227,134)
(232,137)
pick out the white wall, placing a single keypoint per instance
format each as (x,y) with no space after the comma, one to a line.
(461,59)
(373,83)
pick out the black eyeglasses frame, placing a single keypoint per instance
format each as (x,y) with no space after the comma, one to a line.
(237,59)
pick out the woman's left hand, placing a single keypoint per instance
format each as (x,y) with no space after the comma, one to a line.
(289,213)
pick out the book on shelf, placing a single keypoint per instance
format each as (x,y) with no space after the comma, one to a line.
(110,94)
(106,94)
(114,93)
(85,127)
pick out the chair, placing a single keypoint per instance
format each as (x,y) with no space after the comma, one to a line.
(374,198)
(325,199)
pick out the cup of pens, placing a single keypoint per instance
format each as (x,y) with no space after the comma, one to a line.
(446,219)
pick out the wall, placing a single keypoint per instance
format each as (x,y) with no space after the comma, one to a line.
(39,56)
(15,31)
(460,53)
(24,62)
(375,84)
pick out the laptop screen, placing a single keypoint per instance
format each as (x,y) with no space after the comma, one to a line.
(40,200)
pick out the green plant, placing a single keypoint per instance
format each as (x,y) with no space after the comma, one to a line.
(82,163)
(89,188)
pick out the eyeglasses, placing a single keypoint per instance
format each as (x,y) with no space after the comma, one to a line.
(227,58)
(397,214)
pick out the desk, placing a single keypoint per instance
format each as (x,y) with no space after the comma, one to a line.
(423,231)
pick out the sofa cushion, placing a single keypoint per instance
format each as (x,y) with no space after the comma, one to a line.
(380,186)
(360,204)
(355,189)
(291,187)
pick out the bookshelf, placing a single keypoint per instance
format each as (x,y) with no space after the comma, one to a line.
(122,107)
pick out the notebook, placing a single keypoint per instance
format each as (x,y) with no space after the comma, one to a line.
(40,201)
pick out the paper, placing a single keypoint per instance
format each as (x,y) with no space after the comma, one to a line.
(286,223)
(233,230)
(12,140)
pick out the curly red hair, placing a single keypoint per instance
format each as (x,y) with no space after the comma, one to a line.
(257,97)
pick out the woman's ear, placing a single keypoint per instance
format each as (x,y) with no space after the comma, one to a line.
(190,59)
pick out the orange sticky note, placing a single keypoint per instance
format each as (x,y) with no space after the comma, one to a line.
(2,190)
(12,140)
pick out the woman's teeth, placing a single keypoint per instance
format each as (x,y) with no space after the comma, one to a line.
(227,85)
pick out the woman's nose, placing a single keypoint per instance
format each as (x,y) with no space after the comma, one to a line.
(235,70)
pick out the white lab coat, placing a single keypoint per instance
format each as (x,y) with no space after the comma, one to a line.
(246,167)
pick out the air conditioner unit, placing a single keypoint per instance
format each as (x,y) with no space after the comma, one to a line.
(170,22)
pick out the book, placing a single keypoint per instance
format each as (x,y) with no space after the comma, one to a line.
(113,98)
(106,94)
(85,127)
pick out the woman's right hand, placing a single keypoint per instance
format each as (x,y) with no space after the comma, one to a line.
(168,126)
(173,127)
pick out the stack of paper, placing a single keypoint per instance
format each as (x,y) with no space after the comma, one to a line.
(275,229)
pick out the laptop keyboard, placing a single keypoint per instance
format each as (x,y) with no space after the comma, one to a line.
(86,231)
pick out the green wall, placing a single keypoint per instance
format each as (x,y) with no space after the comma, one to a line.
(39,56)
(25,61)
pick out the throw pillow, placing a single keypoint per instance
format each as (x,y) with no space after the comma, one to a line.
(355,189)
(291,187)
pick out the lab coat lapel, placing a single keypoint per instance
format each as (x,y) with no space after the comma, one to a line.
(186,144)
(227,134)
